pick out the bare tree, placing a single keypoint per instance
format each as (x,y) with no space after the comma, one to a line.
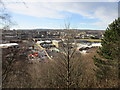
(5,17)
(67,70)
(15,68)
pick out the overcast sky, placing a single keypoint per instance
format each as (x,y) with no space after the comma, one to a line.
(94,14)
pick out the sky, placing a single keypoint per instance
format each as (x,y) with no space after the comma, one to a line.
(53,14)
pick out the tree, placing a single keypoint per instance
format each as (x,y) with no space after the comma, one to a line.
(67,69)
(15,67)
(107,62)
(5,17)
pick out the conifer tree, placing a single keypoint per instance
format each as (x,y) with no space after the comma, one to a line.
(107,61)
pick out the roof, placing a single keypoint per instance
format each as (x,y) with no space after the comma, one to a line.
(96,45)
(8,45)
(40,42)
(55,49)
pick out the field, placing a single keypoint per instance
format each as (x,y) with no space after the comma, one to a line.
(91,40)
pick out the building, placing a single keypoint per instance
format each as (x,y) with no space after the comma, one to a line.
(57,43)
(8,45)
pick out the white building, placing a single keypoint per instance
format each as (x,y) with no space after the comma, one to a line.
(8,45)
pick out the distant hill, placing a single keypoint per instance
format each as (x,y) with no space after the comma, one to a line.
(60,29)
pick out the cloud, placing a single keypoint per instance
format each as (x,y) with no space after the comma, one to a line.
(105,12)
(105,15)
(61,1)
(34,9)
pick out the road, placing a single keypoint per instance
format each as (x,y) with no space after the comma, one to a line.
(43,51)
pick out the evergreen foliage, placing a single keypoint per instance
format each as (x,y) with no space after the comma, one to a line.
(107,61)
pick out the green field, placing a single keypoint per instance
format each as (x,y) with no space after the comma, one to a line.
(91,40)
